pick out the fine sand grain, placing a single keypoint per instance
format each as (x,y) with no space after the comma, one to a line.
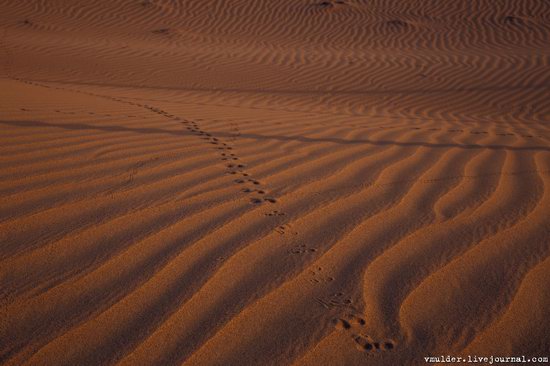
(290,182)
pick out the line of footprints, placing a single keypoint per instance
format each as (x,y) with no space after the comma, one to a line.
(350,323)
(354,326)
(227,154)
(250,186)
(73,113)
(233,165)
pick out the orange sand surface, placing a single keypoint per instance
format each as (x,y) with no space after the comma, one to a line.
(261,182)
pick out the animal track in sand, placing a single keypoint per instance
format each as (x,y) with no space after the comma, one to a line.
(319,277)
(286,229)
(261,200)
(342,324)
(225,150)
(250,190)
(354,326)
(234,168)
(299,249)
(337,299)
(194,128)
(274,83)
(73,113)
(275,213)
(366,343)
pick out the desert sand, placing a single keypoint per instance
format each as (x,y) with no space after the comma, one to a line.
(290,182)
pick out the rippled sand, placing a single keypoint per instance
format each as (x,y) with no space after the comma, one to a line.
(268,182)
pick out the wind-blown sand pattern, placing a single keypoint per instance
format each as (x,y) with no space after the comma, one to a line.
(266,182)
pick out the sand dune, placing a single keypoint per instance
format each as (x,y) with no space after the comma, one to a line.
(273,182)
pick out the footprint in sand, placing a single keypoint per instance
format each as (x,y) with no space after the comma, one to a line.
(335,300)
(319,277)
(275,213)
(250,190)
(262,200)
(354,326)
(299,249)
(366,343)
(286,229)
